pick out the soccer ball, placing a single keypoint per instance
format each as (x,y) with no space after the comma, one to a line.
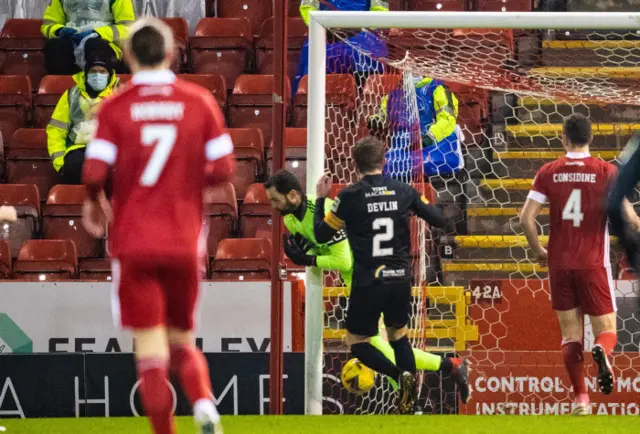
(357,378)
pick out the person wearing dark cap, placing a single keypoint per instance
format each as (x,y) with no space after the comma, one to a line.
(72,27)
(72,125)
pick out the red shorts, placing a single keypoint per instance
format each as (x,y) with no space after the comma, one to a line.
(590,290)
(150,292)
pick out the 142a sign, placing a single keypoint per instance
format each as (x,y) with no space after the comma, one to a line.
(486,291)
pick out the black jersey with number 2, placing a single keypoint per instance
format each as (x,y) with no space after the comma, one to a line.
(376,214)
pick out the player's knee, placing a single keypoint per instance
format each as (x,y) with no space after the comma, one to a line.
(356,339)
(180,337)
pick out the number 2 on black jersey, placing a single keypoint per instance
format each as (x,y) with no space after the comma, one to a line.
(386,225)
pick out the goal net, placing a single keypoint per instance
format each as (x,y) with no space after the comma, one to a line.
(508,81)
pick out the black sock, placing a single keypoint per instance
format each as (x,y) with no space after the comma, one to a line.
(446,366)
(374,359)
(405,359)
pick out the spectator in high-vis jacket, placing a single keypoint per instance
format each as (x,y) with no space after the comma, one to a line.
(73,26)
(71,125)
(357,53)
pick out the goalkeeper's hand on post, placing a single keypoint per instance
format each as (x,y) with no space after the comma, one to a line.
(296,253)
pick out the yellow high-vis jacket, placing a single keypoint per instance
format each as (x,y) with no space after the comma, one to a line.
(306,6)
(71,125)
(109,18)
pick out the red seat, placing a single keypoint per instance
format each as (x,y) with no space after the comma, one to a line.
(436,5)
(5,260)
(180,30)
(296,35)
(26,199)
(255,212)
(251,103)
(295,154)
(95,269)
(505,5)
(52,87)
(46,260)
(221,212)
(242,259)
(248,147)
(22,49)
(215,83)
(15,103)
(222,46)
(28,160)
(340,125)
(62,220)
(256,11)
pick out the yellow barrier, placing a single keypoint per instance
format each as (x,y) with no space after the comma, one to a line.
(459,329)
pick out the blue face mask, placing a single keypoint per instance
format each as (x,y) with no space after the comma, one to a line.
(98,81)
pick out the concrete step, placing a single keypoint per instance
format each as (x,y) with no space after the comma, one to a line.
(462,272)
(576,53)
(489,247)
(531,135)
(498,220)
(544,110)
(505,191)
(525,164)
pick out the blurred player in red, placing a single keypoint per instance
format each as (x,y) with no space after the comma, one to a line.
(576,188)
(161,141)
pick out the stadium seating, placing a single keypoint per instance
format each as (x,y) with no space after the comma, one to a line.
(255,212)
(15,103)
(51,89)
(249,152)
(28,160)
(180,30)
(436,5)
(251,104)
(5,260)
(222,46)
(215,83)
(221,212)
(22,49)
(297,34)
(505,5)
(26,199)
(62,220)
(256,11)
(340,105)
(295,153)
(242,259)
(46,260)
(95,269)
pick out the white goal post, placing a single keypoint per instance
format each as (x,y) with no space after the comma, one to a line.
(320,22)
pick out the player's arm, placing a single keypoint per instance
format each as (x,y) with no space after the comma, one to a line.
(101,154)
(535,200)
(221,163)
(427,212)
(340,257)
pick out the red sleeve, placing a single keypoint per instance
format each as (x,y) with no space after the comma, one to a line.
(539,189)
(220,166)
(612,174)
(101,153)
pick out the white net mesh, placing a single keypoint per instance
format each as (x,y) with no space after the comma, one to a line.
(479,292)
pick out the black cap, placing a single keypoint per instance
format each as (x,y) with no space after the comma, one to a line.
(99,55)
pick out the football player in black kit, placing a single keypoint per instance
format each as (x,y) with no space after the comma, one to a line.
(375,212)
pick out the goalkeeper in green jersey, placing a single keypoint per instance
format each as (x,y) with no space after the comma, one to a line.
(285,193)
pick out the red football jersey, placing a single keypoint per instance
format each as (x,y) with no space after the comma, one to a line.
(161,136)
(576,188)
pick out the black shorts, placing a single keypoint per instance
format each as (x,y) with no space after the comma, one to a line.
(366,303)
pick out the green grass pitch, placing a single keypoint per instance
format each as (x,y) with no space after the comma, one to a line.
(343,424)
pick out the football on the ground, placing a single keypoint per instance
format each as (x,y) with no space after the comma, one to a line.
(357,378)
